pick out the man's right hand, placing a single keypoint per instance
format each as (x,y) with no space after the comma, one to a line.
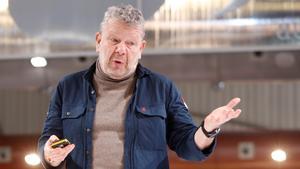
(54,156)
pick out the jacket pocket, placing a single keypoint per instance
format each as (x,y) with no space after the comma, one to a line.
(72,121)
(151,129)
(72,112)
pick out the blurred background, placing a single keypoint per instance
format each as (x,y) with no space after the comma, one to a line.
(213,51)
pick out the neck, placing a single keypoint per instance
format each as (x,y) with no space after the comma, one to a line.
(102,75)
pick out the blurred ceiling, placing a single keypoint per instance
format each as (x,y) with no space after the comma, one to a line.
(206,67)
(61,28)
(175,28)
(65,28)
(244,32)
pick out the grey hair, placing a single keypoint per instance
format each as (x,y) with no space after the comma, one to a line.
(125,13)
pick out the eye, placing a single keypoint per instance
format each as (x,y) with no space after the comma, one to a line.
(114,40)
(130,43)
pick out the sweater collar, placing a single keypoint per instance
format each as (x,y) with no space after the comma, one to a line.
(141,72)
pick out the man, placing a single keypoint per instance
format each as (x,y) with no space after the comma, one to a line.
(120,115)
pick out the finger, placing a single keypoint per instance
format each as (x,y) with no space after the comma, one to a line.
(59,154)
(52,139)
(65,150)
(232,103)
(68,149)
(62,153)
(236,113)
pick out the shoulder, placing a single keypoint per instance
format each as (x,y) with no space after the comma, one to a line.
(73,78)
(153,76)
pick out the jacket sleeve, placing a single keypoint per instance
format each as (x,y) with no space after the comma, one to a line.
(52,125)
(181,128)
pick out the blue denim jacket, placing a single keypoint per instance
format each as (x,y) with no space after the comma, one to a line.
(156,117)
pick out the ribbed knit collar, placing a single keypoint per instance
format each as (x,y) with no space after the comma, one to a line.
(103,82)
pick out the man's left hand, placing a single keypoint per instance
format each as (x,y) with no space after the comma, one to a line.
(222,114)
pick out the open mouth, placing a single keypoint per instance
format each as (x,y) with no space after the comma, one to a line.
(118,62)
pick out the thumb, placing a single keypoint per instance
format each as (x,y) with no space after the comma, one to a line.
(68,149)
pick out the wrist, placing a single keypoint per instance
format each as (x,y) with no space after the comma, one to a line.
(209,132)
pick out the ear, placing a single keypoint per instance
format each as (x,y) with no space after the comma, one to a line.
(98,40)
(143,45)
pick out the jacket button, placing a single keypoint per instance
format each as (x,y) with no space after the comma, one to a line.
(88,129)
(93,92)
(68,113)
(87,152)
(91,109)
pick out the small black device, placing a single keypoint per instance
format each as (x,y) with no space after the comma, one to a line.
(60,143)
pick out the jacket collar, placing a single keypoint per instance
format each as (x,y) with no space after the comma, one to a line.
(88,75)
(140,71)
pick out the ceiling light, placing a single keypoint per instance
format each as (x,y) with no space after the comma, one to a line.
(32,159)
(278,155)
(38,62)
(285,59)
(3,5)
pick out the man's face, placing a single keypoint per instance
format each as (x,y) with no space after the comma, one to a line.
(120,47)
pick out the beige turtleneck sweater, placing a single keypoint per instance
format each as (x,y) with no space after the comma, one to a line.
(108,132)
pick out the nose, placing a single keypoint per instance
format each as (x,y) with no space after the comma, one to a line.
(121,48)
